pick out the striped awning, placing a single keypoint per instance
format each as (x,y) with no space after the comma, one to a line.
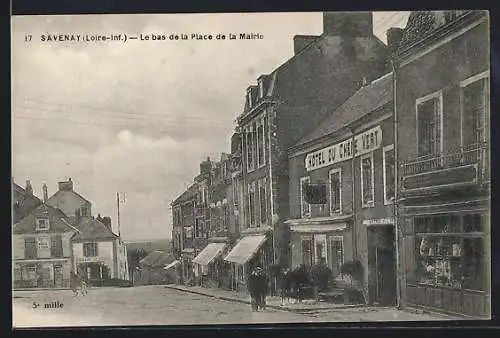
(208,254)
(171,265)
(245,249)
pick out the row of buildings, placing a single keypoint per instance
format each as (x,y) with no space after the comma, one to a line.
(57,236)
(354,150)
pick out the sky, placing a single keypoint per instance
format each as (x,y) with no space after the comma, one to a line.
(137,117)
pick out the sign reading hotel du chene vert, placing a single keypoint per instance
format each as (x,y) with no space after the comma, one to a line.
(358,145)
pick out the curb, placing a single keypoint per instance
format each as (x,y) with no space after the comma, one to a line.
(277,307)
(40,289)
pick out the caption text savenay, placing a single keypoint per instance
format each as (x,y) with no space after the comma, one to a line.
(89,38)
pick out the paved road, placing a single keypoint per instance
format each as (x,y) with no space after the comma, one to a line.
(157,305)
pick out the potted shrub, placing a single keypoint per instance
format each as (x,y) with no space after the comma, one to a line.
(321,275)
(354,272)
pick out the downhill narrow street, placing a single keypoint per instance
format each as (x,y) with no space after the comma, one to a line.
(157,305)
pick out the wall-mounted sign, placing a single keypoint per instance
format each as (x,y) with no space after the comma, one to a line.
(358,145)
(87,259)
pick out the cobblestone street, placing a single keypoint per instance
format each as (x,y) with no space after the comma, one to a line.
(157,305)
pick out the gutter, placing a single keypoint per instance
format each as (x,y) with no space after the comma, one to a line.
(396,185)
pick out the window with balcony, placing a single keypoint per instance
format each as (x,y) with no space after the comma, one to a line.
(307,250)
(250,148)
(251,204)
(305,208)
(90,250)
(475,112)
(389,174)
(263,201)
(260,145)
(42,224)
(429,125)
(367,181)
(335,191)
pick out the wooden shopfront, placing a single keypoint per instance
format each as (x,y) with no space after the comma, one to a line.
(446,261)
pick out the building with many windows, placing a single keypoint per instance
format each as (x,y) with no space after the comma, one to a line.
(283,107)
(342,188)
(442,76)
(98,253)
(42,250)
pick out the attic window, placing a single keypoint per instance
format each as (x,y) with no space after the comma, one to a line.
(42,224)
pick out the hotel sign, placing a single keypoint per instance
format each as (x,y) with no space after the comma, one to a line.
(358,145)
(87,259)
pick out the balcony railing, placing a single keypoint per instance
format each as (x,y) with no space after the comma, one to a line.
(471,163)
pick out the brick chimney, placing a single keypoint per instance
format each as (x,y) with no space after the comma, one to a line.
(66,185)
(301,41)
(45,193)
(394,37)
(348,24)
(29,188)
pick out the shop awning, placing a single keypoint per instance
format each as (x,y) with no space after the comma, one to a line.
(208,254)
(311,228)
(245,249)
(171,265)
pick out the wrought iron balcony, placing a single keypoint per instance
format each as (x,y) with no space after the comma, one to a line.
(468,166)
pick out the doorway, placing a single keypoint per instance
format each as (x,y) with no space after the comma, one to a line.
(382,264)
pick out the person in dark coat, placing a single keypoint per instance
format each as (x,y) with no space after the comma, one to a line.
(253,289)
(285,285)
(261,288)
(75,283)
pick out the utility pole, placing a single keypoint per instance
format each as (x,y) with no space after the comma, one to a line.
(118,201)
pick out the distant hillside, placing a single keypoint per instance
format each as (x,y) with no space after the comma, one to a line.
(150,245)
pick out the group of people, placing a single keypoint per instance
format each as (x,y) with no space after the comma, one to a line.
(78,282)
(258,283)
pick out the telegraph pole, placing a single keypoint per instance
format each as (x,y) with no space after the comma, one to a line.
(118,205)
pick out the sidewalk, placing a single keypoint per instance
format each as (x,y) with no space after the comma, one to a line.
(271,302)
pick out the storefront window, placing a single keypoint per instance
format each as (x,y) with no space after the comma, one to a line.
(335,254)
(307,251)
(447,255)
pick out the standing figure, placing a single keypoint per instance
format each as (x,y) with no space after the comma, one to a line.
(252,289)
(263,288)
(84,286)
(285,285)
(75,283)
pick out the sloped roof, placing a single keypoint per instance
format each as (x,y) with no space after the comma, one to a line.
(23,203)
(367,99)
(57,220)
(186,195)
(157,258)
(92,229)
(279,83)
(62,193)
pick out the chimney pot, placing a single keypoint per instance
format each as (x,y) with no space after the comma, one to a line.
(394,37)
(29,188)
(301,41)
(348,24)
(45,193)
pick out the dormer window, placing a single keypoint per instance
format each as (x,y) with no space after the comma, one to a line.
(42,224)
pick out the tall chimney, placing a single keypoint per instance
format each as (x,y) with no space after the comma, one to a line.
(302,41)
(394,37)
(66,185)
(45,193)
(348,24)
(29,188)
